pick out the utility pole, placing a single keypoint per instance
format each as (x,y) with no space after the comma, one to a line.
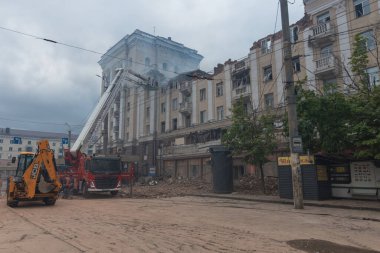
(295,142)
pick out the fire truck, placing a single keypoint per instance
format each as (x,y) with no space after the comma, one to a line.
(98,173)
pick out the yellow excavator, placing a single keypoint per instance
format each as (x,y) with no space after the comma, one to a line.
(36,177)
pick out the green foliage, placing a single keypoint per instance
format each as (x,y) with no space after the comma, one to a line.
(249,135)
(324,121)
(365,131)
(335,123)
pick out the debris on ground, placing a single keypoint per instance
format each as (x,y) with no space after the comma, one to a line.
(251,184)
(174,187)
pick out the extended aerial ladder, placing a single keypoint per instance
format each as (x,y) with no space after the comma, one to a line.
(99,173)
(100,111)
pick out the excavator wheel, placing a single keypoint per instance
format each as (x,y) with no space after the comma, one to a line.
(49,201)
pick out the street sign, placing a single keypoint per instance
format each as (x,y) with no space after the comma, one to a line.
(65,141)
(297,145)
(17,140)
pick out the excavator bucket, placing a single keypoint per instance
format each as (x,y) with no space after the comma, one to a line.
(45,187)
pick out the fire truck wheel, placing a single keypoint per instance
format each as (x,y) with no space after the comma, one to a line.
(85,192)
(114,193)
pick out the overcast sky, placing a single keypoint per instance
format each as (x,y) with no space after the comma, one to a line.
(45,85)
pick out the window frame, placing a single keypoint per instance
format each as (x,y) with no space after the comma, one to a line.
(219,89)
(267,76)
(202,94)
(365,8)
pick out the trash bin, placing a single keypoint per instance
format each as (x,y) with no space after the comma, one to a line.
(221,162)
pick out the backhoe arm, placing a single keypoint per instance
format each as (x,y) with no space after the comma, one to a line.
(41,171)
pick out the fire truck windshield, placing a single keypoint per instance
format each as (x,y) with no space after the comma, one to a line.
(105,165)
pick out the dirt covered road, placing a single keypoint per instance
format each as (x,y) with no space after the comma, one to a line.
(180,224)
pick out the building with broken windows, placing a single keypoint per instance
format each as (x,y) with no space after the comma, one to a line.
(170,127)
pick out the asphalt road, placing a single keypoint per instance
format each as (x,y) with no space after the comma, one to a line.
(182,224)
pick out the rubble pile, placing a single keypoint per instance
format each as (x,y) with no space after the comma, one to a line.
(168,188)
(251,184)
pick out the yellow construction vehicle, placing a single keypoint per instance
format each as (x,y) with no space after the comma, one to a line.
(36,177)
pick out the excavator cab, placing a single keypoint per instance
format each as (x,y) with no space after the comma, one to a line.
(24,159)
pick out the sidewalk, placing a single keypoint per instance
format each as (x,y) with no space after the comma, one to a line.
(369,205)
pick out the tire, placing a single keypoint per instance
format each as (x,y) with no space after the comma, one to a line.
(49,201)
(85,192)
(114,193)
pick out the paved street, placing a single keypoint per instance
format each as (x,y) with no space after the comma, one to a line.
(181,224)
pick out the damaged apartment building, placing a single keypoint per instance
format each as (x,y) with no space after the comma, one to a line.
(170,127)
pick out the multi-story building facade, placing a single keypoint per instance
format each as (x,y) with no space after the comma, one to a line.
(172,127)
(14,141)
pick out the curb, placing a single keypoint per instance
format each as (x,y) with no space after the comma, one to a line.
(376,209)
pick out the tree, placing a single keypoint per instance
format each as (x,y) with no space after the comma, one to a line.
(365,130)
(324,120)
(251,136)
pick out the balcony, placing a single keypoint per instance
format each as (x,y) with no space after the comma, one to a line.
(322,34)
(241,91)
(186,108)
(185,88)
(326,67)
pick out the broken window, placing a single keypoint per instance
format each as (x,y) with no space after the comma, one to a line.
(268,100)
(219,89)
(202,94)
(293,34)
(268,73)
(362,7)
(369,39)
(266,46)
(296,64)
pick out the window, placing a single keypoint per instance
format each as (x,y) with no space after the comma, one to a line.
(323,18)
(147,62)
(369,39)
(147,112)
(1,140)
(127,123)
(163,126)
(128,106)
(202,94)
(164,66)
(174,104)
(10,149)
(29,142)
(127,135)
(329,86)
(296,64)
(268,73)
(1,148)
(266,46)
(147,129)
(174,124)
(220,112)
(268,100)
(294,34)
(326,51)
(203,117)
(373,76)
(362,7)
(163,107)
(19,149)
(219,89)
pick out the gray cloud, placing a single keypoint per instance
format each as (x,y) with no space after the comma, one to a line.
(51,83)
